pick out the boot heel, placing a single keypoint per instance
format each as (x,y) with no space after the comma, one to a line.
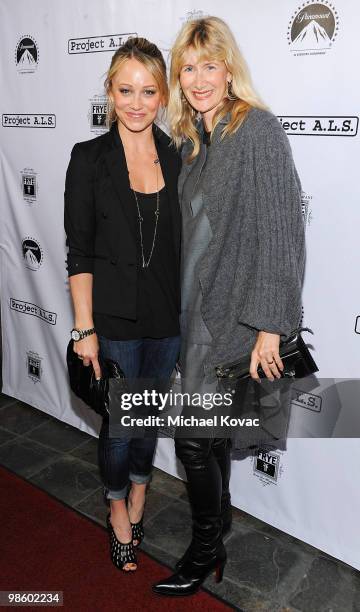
(219,572)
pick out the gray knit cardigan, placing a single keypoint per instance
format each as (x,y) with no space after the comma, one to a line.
(251,275)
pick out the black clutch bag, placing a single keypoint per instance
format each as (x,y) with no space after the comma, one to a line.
(269,402)
(95,393)
(295,355)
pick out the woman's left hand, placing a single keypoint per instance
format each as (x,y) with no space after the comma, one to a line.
(266,353)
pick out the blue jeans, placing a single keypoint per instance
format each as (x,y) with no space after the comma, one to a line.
(124,460)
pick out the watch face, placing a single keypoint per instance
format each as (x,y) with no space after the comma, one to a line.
(75,335)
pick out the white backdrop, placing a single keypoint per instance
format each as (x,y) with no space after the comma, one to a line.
(304,64)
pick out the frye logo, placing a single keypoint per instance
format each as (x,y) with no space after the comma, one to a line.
(33,366)
(97,114)
(267,464)
(29,185)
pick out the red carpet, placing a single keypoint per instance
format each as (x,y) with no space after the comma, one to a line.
(47,546)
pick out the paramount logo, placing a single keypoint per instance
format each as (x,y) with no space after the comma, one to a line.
(32,253)
(311,36)
(26,55)
(313,28)
(26,58)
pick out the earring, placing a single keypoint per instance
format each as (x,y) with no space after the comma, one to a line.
(230,93)
(183,98)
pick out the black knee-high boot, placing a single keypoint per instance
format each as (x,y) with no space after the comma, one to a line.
(221,448)
(206,552)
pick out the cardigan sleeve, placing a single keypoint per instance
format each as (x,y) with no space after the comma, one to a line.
(79,214)
(273,300)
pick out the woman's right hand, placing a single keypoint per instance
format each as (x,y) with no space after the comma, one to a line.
(87,349)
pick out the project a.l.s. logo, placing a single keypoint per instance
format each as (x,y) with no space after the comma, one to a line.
(313,28)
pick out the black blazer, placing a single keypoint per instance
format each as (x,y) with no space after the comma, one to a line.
(100,225)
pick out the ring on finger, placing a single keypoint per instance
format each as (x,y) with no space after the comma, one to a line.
(79,356)
(270,362)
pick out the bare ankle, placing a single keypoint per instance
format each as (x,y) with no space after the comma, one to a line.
(137,492)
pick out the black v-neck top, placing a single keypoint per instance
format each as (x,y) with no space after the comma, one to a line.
(157,314)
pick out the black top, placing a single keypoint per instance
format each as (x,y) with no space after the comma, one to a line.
(157,313)
(206,137)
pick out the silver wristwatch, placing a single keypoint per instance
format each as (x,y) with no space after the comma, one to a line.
(79,334)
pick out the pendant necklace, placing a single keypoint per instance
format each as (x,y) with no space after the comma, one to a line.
(145,263)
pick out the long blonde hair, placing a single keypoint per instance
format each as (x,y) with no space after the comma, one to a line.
(212,39)
(148,54)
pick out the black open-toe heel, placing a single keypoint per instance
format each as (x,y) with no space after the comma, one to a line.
(120,553)
(137,532)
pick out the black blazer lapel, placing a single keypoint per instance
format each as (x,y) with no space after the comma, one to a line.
(116,165)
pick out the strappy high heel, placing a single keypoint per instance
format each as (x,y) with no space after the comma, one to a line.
(137,528)
(137,532)
(120,553)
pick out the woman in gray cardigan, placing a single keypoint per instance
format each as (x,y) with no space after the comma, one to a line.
(242,257)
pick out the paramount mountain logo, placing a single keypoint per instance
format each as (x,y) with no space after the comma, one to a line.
(32,253)
(26,54)
(313,34)
(313,28)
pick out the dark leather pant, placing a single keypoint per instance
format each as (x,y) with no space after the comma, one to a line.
(207,466)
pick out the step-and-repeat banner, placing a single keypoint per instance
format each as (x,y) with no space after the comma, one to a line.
(304,59)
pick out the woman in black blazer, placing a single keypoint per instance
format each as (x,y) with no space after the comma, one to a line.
(122,221)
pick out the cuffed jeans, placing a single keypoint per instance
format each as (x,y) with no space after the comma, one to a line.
(124,460)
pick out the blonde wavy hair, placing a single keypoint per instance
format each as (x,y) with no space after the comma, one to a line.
(148,54)
(212,39)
